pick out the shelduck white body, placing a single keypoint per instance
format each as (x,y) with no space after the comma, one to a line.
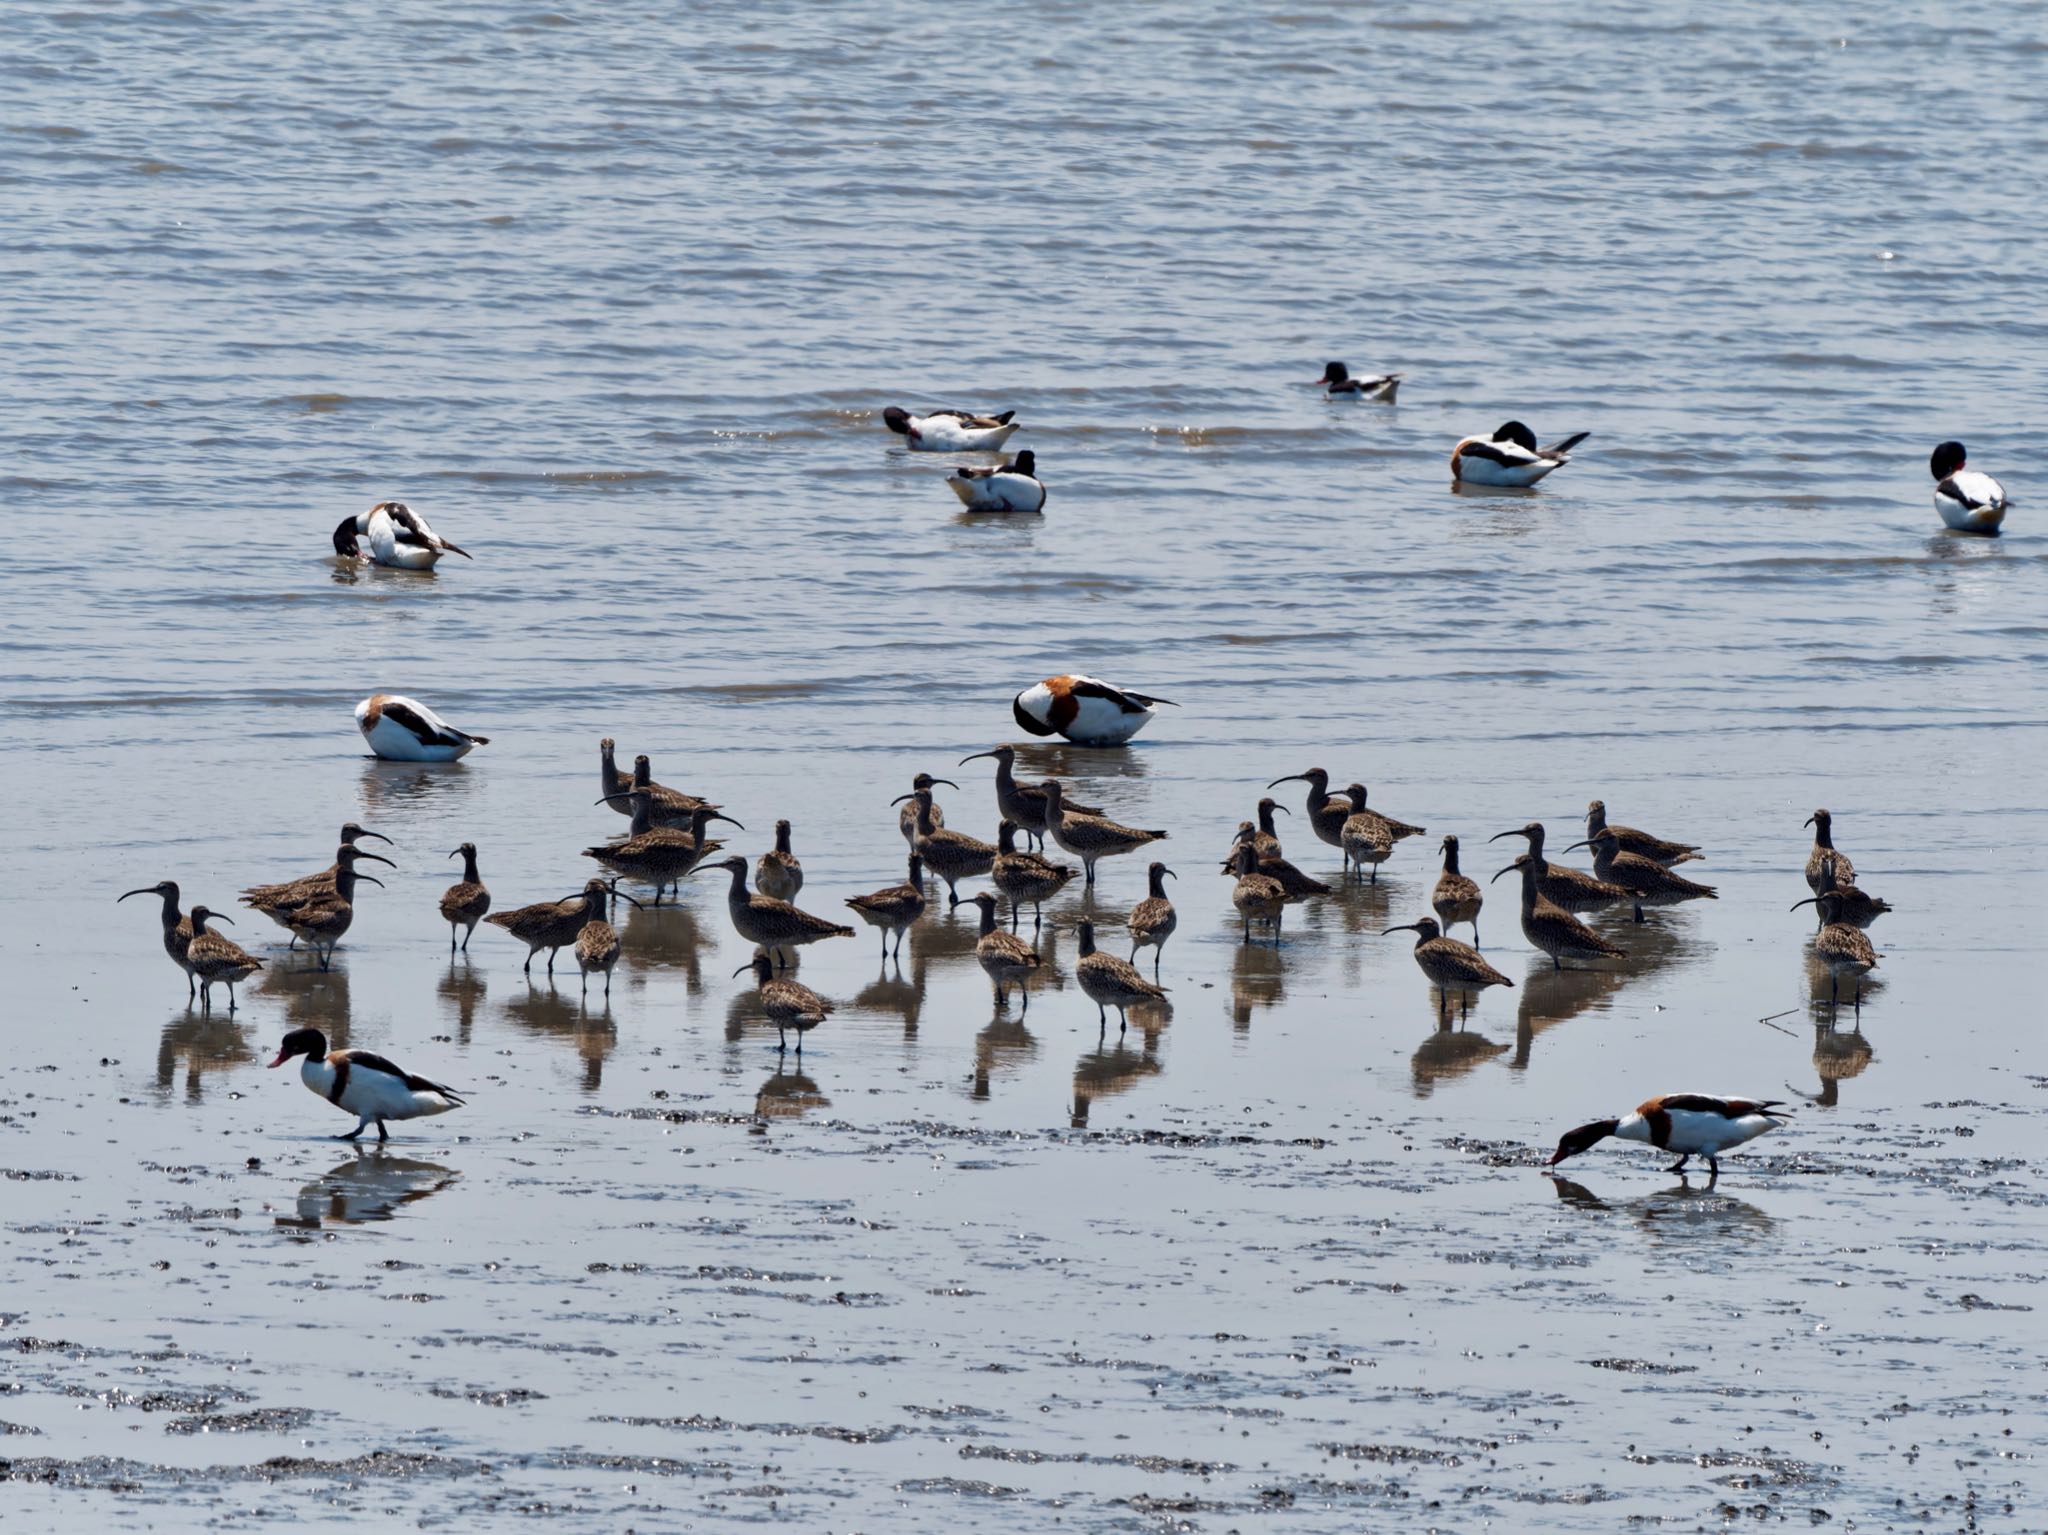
(1012,488)
(1338,384)
(1509,457)
(951,431)
(1086,710)
(399,538)
(1691,1124)
(1969,501)
(364,1084)
(401,729)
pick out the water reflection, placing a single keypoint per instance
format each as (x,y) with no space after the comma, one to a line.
(202,1042)
(461,987)
(1545,998)
(1686,1212)
(1823,1004)
(311,998)
(1838,1055)
(1037,760)
(663,938)
(370,1186)
(1115,1069)
(893,995)
(549,1014)
(1258,979)
(1450,1051)
(385,788)
(1004,1046)
(789,1095)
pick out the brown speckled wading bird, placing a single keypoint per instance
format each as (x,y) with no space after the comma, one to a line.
(269,899)
(1648,882)
(1456,898)
(1022,803)
(1451,966)
(214,958)
(1641,843)
(1110,981)
(1568,889)
(906,818)
(661,856)
(550,925)
(1845,950)
(778,927)
(1153,919)
(1549,926)
(1824,848)
(1367,841)
(1292,880)
(950,855)
(777,872)
(464,903)
(1327,813)
(665,806)
(1006,959)
(1857,909)
(894,909)
(1089,837)
(177,928)
(1257,897)
(324,916)
(597,941)
(1025,876)
(788,1004)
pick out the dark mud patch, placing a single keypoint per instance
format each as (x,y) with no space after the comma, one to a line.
(511,1396)
(1642,1367)
(262,1420)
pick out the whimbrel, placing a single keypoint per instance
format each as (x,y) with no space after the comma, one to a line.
(213,958)
(281,902)
(1568,889)
(1857,909)
(1109,981)
(463,905)
(1449,965)
(613,784)
(778,873)
(1367,840)
(1397,831)
(895,909)
(549,925)
(1089,837)
(1641,843)
(1257,897)
(258,895)
(1550,927)
(1022,803)
(1648,882)
(1845,950)
(1327,813)
(1007,959)
(1824,848)
(1456,898)
(1153,919)
(324,916)
(776,926)
(1025,876)
(950,855)
(1269,839)
(665,806)
(661,855)
(597,941)
(906,818)
(177,928)
(788,1004)
(1292,880)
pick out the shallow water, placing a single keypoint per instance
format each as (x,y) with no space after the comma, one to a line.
(617,301)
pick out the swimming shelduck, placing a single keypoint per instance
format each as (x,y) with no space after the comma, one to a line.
(1969,501)
(1086,710)
(1509,457)
(398,536)
(1338,383)
(363,1084)
(1013,487)
(951,431)
(401,729)
(1691,1124)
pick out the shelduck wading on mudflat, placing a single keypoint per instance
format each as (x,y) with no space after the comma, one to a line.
(1691,1124)
(364,1084)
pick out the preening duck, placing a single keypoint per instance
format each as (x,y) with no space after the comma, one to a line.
(401,729)
(363,1083)
(1969,501)
(398,536)
(1011,487)
(1691,1124)
(1338,383)
(1509,457)
(1086,710)
(951,431)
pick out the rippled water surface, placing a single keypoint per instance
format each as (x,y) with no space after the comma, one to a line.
(616,296)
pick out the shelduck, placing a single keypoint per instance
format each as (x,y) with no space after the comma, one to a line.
(1012,487)
(1509,457)
(1086,710)
(1338,383)
(1969,501)
(951,431)
(398,536)
(364,1084)
(401,729)
(1691,1124)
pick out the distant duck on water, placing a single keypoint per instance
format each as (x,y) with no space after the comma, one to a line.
(401,729)
(1509,457)
(1969,501)
(951,431)
(398,536)
(1013,487)
(1086,710)
(1338,384)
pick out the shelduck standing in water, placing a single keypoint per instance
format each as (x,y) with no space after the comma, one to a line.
(1691,1124)
(1509,457)
(1969,502)
(401,729)
(951,431)
(1338,384)
(1015,487)
(399,538)
(1085,710)
(363,1084)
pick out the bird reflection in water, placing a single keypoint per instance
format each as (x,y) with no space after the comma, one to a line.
(1258,979)
(789,1095)
(1003,1046)
(1821,1001)
(1115,1069)
(369,1186)
(203,1042)
(1077,767)
(544,1011)
(1838,1054)
(407,787)
(312,998)
(1546,996)
(1450,1051)
(461,988)
(1686,1212)
(663,938)
(892,994)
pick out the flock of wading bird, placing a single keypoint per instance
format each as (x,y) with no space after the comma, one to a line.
(668,840)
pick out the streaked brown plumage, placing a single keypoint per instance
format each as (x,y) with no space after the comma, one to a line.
(1006,959)
(1449,965)
(950,855)
(464,904)
(1109,981)
(906,818)
(1857,908)
(552,925)
(1845,950)
(1022,803)
(1368,842)
(1292,880)
(597,941)
(613,784)
(1824,848)
(1025,876)
(213,958)
(1269,839)
(273,899)
(894,909)
(1153,919)
(665,806)
(1257,897)
(776,926)
(324,916)
(788,1004)
(778,873)
(1398,831)
(1550,927)
(177,928)
(1089,837)
(1648,882)
(1641,843)
(661,856)
(1568,889)
(1327,812)
(1456,897)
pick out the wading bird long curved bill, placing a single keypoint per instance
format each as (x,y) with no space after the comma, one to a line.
(1824,848)
(1691,1124)
(1025,876)
(788,1004)
(398,537)
(550,925)
(1011,487)
(1090,837)
(951,431)
(1108,980)
(401,729)
(1019,802)
(1327,812)
(1084,710)
(1449,965)
(322,919)
(597,941)
(1857,908)
(1568,889)
(1292,880)
(1969,501)
(292,906)
(177,928)
(364,1084)
(464,903)
(1641,843)
(1845,950)
(1005,958)
(1509,457)
(1456,897)
(1549,926)
(1338,384)
(661,856)
(283,895)
(1647,882)
(777,927)
(950,855)
(906,818)
(1153,919)
(1256,897)
(213,957)
(894,909)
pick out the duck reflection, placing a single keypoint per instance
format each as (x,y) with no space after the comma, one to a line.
(546,1012)
(1450,1051)
(1258,979)
(1838,1054)
(1004,1046)
(461,987)
(203,1043)
(1114,1069)
(312,998)
(789,1095)
(1053,758)
(407,787)
(663,938)
(369,1186)
(1687,1212)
